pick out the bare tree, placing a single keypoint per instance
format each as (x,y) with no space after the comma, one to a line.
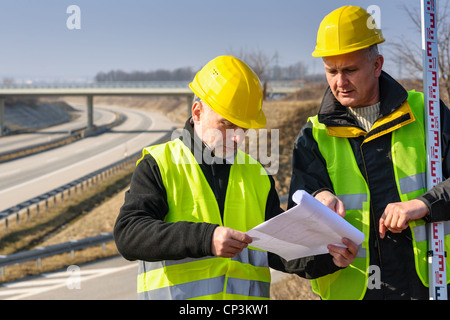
(410,55)
(8,81)
(258,60)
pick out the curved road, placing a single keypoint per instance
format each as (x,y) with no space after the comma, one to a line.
(26,178)
(101,116)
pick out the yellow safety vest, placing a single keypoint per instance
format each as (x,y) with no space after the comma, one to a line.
(409,162)
(190,198)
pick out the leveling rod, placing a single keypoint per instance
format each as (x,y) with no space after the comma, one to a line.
(436,254)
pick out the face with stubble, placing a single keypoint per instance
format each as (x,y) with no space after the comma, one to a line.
(220,135)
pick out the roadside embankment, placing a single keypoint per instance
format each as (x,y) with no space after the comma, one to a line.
(27,114)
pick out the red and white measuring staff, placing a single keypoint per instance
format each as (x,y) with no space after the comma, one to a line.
(436,256)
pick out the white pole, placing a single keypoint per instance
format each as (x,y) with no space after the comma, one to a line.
(436,253)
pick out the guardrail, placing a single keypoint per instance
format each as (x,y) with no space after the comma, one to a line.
(43,252)
(44,199)
(179,88)
(70,246)
(78,184)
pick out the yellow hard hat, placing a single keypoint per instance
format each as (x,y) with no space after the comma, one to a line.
(345,30)
(231,88)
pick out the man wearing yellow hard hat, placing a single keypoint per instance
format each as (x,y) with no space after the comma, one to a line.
(192,199)
(364,156)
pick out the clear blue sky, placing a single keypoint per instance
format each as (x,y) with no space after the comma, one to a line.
(147,35)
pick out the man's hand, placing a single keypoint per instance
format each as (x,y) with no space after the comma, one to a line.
(226,242)
(343,257)
(397,215)
(332,202)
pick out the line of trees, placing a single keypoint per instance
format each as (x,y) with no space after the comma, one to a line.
(266,73)
(180,74)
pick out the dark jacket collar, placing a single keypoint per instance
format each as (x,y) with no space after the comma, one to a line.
(192,141)
(392,96)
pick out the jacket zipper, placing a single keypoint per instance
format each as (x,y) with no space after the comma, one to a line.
(372,215)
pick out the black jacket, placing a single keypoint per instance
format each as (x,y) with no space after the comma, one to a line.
(394,253)
(141,233)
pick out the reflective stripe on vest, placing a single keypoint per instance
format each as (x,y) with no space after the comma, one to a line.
(190,198)
(153,278)
(411,180)
(408,157)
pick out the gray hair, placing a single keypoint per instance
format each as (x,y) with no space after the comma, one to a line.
(203,103)
(195,99)
(372,52)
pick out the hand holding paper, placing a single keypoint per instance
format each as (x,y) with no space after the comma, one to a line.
(304,230)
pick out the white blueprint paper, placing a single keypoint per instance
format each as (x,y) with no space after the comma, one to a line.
(304,230)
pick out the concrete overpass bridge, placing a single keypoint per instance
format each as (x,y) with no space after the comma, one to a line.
(131,88)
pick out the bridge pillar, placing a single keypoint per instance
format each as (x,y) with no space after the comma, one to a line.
(2,115)
(90,111)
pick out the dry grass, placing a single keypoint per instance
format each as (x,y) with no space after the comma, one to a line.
(88,214)
(292,288)
(97,212)
(288,117)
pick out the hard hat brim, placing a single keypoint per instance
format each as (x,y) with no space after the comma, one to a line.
(317,53)
(256,123)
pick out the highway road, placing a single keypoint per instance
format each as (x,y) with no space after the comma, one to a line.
(28,177)
(101,116)
(107,279)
